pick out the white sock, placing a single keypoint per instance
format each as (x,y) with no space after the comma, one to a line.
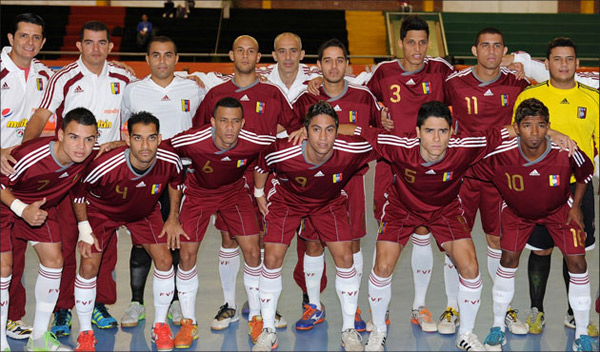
(422,265)
(380,294)
(4,299)
(451,282)
(270,289)
(313,271)
(493,261)
(262,255)
(229,265)
(580,301)
(187,289)
(347,285)
(163,287)
(47,287)
(251,282)
(502,292)
(358,263)
(469,300)
(85,297)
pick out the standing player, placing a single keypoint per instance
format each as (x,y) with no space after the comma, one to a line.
(355,106)
(575,111)
(308,182)
(220,154)
(98,85)
(46,169)
(174,101)
(266,111)
(23,80)
(482,98)
(122,188)
(531,174)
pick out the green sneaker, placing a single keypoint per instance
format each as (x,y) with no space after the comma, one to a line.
(48,342)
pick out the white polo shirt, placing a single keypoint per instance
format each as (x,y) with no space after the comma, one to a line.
(19,97)
(174,105)
(305,74)
(75,86)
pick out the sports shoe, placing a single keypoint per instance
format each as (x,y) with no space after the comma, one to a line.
(370,326)
(351,340)
(266,341)
(48,342)
(102,318)
(255,327)
(376,341)
(514,325)
(133,314)
(16,329)
(495,339)
(311,317)
(536,321)
(422,317)
(570,323)
(359,323)
(175,312)
(187,334)
(224,317)
(162,337)
(246,308)
(449,320)
(86,341)
(469,342)
(61,326)
(280,322)
(585,343)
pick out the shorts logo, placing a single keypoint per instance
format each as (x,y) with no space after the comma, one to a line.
(581,112)
(185,105)
(554,180)
(352,116)
(115,88)
(447,176)
(337,178)
(426,88)
(382,227)
(242,162)
(39,84)
(155,188)
(504,99)
(6,112)
(260,107)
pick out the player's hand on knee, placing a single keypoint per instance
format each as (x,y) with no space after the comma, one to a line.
(33,215)
(172,228)
(7,161)
(85,248)
(575,215)
(314,84)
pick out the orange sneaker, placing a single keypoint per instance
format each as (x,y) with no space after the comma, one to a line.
(187,334)
(86,341)
(162,337)
(359,323)
(255,327)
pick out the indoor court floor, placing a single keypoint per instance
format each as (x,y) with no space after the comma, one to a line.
(402,335)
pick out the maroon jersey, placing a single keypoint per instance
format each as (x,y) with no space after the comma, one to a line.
(403,92)
(477,105)
(216,169)
(38,175)
(427,187)
(264,106)
(303,183)
(534,189)
(111,187)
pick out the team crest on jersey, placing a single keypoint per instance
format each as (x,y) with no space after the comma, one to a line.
(39,84)
(115,88)
(504,99)
(337,178)
(447,176)
(426,88)
(554,180)
(185,105)
(581,112)
(155,189)
(382,227)
(260,107)
(242,162)
(352,114)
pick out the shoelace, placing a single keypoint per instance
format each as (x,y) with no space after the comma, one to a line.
(102,309)
(223,309)
(308,312)
(447,315)
(86,340)
(513,314)
(162,332)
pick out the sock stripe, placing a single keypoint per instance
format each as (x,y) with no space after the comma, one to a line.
(270,274)
(346,274)
(580,280)
(85,285)
(4,285)
(505,274)
(493,253)
(471,283)
(420,242)
(186,275)
(379,283)
(169,274)
(252,271)
(227,255)
(50,275)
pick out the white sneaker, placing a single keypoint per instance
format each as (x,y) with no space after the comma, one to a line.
(370,326)
(175,313)
(16,329)
(351,340)
(514,325)
(469,342)
(422,317)
(449,320)
(48,342)
(267,341)
(376,341)
(133,314)
(225,316)
(280,322)
(570,323)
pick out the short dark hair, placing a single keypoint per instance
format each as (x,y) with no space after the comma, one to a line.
(143,117)
(413,23)
(560,42)
(95,26)
(28,17)
(434,108)
(320,108)
(334,42)
(531,107)
(160,39)
(228,102)
(80,115)
(488,30)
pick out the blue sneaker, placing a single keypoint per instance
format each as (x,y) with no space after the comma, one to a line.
(585,343)
(495,340)
(61,326)
(102,318)
(311,317)
(359,323)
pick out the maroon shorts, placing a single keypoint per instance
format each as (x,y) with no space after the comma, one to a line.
(446,224)
(382,180)
(476,194)
(517,230)
(12,225)
(236,210)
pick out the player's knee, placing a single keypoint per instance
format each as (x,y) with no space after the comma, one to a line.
(468,269)
(383,269)
(139,257)
(252,257)
(88,270)
(227,241)
(272,261)
(577,264)
(493,241)
(314,248)
(187,259)
(6,268)
(509,260)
